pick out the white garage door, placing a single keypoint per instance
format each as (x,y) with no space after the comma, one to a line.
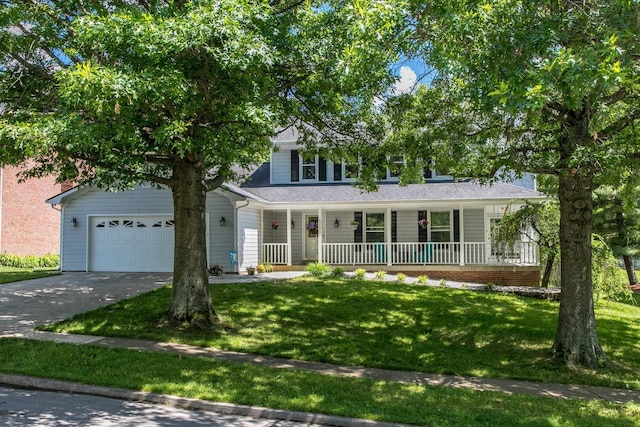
(143,244)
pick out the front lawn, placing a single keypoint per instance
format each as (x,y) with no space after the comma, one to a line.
(386,325)
(12,274)
(220,381)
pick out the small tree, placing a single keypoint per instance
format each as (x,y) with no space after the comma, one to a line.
(539,222)
(616,217)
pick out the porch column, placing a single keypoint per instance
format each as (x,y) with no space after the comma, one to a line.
(321,227)
(261,237)
(387,227)
(461,225)
(289,237)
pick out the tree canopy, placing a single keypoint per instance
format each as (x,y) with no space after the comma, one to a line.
(181,94)
(548,87)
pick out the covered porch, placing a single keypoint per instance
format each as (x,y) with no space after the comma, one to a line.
(435,236)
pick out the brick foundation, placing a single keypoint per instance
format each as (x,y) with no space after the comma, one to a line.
(498,275)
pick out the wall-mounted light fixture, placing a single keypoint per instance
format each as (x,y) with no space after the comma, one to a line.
(336,223)
(223,222)
(74,222)
(293,224)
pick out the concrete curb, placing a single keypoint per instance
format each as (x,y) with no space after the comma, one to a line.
(26,382)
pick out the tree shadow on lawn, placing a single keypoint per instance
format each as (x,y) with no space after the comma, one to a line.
(372,324)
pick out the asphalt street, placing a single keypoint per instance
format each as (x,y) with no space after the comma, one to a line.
(48,409)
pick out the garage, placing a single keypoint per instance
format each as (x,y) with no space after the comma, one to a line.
(131,243)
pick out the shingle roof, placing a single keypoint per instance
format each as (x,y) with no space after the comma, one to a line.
(387,192)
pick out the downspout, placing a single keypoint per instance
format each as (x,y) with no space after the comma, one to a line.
(60,246)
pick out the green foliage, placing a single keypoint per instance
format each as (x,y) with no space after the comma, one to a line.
(319,269)
(264,268)
(609,281)
(443,282)
(380,275)
(359,273)
(337,272)
(401,277)
(29,261)
(431,327)
(423,279)
(296,390)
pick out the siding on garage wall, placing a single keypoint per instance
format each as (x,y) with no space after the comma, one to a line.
(248,238)
(473,225)
(141,201)
(221,239)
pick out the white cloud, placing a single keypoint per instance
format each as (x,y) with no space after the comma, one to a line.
(407,81)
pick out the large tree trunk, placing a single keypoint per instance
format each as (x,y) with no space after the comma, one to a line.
(548,267)
(576,338)
(631,273)
(190,297)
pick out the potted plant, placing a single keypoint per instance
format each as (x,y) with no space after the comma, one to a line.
(355,224)
(251,270)
(423,223)
(275,224)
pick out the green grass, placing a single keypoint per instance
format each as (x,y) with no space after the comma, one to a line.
(12,274)
(386,325)
(301,391)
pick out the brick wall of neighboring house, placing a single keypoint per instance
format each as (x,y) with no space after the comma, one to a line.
(28,225)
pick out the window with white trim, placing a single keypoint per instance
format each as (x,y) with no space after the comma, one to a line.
(374,227)
(396,165)
(440,226)
(309,167)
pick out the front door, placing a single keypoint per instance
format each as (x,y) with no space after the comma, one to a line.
(311,237)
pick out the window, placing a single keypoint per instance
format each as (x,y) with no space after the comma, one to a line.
(440,226)
(374,227)
(396,165)
(309,168)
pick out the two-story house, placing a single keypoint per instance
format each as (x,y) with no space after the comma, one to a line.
(298,209)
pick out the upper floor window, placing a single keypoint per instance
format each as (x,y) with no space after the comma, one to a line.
(396,163)
(309,168)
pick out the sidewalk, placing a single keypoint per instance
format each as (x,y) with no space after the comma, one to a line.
(41,301)
(561,391)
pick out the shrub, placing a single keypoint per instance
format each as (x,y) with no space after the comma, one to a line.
(423,280)
(268,268)
(464,285)
(216,270)
(380,274)
(490,286)
(359,273)
(261,268)
(337,272)
(318,269)
(401,277)
(443,282)
(29,261)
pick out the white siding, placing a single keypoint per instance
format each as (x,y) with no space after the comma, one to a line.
(342,234)
(221,238)
(281,167)
(407,226)
(248,238)
(99,202)
(473,225)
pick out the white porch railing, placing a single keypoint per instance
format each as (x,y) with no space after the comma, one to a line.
(274,253)
(412,253)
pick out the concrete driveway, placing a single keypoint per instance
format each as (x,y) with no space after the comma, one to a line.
(25,305)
